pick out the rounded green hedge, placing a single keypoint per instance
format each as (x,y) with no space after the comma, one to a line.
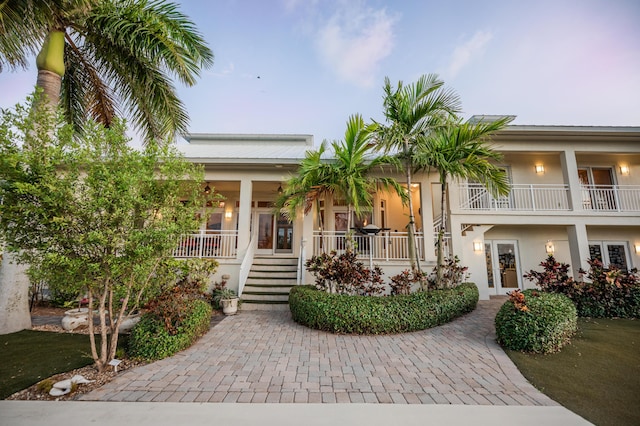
(151,341)
(547,325)
(339,313)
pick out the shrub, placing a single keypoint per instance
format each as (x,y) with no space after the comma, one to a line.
(339,313)
(150,340)
(608,293)
(554,277)
(453,274)
(403,282)
(533,321)
(344,274)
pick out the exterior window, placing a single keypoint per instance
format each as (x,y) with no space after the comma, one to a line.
(610,253)
(215,222)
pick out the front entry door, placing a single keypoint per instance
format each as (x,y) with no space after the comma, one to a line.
(503,259)
(273,236)
(284,234)
(265,233)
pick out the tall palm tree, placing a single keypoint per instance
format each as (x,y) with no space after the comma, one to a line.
(96,57)
(355,165)
(347,176)
(462,151)
(411,112)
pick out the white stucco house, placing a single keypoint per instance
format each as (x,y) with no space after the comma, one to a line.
(575,192)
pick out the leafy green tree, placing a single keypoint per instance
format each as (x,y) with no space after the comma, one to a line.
(95,57)
(411,112)
(91,214)
(462,151)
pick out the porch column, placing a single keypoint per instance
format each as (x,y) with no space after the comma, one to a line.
(426,213)
(570,175)
(244,216)
(578,247)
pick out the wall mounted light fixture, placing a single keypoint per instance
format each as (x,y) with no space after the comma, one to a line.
(539,168)
(549,247)
(477,246)
(624,170)
(637,247)
(228,214)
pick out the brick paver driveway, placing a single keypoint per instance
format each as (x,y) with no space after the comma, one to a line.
(263,357)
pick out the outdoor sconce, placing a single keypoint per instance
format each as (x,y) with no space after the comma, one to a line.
(624,170)
(280,190)
(637,247)
(207,189)
(228,214)
(539,169)
(549,247)
(477,246)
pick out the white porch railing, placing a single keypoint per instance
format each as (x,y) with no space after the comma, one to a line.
(245,267)
(612,198)
(522,197)
(383,246)
(216,244)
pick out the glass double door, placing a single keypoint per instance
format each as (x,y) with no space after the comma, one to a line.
(503,265)
(274,236)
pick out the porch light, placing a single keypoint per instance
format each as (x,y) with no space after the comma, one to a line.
(637,247)
(549,247)
(228,214)
(477,246)
(539,169)
(624,170)
(207,189)
(280,189)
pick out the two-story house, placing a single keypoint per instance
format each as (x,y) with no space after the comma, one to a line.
(575,193)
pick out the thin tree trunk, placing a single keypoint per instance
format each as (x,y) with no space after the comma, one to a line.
(411,228)
(441,231)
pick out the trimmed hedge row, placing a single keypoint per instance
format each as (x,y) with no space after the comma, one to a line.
(380,315)
(541,323)
(151,341)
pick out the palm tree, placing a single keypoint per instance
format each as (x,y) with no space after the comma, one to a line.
(461,151)
(347,176)
(412,112)
(96,56)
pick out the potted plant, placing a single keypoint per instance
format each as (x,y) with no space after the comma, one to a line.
(228,300)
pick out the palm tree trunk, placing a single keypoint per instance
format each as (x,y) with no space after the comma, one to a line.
(50,82)
(441,231)
(411,228)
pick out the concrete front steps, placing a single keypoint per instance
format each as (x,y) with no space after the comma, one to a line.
(267,287)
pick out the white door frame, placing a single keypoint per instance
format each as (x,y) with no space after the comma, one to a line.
(508,273)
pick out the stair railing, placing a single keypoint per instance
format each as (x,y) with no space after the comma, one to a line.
(301,257)
(245,266)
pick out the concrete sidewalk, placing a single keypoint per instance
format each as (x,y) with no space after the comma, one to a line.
(32,413)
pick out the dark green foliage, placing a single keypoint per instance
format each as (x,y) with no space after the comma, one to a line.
(340,313)
(534,321)
(608,293)
(150,340)
(345,274)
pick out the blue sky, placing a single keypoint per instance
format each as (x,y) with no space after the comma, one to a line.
(304,66)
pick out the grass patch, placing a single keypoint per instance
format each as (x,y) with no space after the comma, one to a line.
(26,357)
(596,376)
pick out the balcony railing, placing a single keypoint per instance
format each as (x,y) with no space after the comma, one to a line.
(384,246)
(521,198)
(611,198)
(215,244)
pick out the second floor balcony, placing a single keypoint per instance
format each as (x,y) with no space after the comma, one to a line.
(535,198)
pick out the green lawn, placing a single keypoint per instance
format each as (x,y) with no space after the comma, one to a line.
(26,357)
(597,376)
